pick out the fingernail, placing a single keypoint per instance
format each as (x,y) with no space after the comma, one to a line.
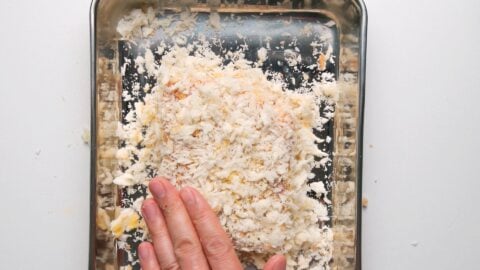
(143,253)
(157,189)
(148,210)
(188,196)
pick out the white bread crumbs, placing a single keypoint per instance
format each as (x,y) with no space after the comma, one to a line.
(242,140)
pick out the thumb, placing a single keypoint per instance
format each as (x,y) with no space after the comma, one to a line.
(277,262)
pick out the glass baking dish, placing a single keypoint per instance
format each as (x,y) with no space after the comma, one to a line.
(341,25)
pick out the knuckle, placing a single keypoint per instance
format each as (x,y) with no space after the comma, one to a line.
(157,228)
(171,266)
(201,218)
(157,231)
(184,247)
(216,247)
(171,207)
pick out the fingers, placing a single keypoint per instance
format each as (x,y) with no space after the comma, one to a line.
(277,262)
(148,259)
(160,237)
(215,242)
(186,245)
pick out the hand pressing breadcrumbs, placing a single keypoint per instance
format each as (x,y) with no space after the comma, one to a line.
(186,233)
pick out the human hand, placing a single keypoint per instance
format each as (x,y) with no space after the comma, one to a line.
(186,233)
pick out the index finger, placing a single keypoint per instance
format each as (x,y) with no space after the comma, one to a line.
(216,245)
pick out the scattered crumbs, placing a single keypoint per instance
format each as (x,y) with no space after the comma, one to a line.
(126,220)
(324,58)
(307,30)
(214,21)
(288,22)
(103,219)
(262,55)
(364,202)
(330,23)
(38,152)
(86,136)
(267,42)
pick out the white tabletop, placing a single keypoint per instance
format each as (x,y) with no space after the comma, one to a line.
(421,135)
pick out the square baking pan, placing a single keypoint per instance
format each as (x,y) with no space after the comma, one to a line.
(298,28)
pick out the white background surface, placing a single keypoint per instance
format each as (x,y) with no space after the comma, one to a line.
(421,135)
